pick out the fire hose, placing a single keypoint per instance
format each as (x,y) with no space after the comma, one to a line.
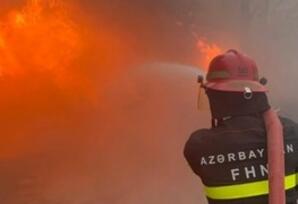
(276,161)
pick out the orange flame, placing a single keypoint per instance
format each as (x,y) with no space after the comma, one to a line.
(39,45)
(208,51)
(41,37)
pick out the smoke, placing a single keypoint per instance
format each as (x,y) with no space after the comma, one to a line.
(97,101)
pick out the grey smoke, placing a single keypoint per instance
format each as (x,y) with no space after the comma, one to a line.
(128,148)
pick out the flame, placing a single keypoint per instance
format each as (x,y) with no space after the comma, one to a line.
(208,51)
(54,61)
(19,20)
(39,46)
(41,36)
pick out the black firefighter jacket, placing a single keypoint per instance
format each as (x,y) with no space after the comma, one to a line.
(231,161)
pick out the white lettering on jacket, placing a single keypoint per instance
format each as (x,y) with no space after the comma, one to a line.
(253,154)
(249,172)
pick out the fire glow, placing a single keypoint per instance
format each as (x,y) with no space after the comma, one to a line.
(207,51)
(39,46)
(40,37)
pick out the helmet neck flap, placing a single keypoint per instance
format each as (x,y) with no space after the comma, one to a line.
(231,104)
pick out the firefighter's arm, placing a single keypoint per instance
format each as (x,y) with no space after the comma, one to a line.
(193,151)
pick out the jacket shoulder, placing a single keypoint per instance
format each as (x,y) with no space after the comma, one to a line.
(288,122)
(201,133)
(195,148)
(196,142)
(290,127)
(200,136)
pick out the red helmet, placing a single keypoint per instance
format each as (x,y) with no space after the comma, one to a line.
(235,72)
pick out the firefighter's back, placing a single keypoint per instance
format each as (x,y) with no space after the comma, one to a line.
(231,160)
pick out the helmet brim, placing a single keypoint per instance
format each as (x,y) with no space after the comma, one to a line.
(236,85)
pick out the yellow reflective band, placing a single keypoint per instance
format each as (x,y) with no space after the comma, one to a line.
(246,190)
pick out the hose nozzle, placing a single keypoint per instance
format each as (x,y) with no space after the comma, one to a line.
(201,81)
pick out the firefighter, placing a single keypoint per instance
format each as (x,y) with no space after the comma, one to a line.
(231,157)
